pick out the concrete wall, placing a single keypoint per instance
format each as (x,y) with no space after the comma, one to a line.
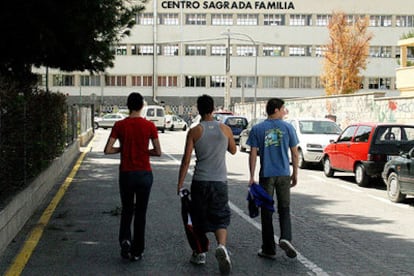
(347,109)
(22,206)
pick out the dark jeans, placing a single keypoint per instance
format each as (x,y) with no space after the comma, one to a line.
(135,188)
(280,185)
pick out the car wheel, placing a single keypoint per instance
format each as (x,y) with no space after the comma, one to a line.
(327,170)
(361,178)
(163,130)
(172,127)
(96,125)
(184,127)
(394,189)
(301,160)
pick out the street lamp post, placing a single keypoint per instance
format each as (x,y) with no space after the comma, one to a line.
(229,34)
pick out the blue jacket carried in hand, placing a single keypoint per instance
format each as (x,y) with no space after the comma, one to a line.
(257,196)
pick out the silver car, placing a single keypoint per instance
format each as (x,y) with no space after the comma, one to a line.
(108,120)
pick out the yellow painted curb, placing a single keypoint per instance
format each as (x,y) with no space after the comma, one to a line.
(33,238)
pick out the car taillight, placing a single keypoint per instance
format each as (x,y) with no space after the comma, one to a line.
(377,157)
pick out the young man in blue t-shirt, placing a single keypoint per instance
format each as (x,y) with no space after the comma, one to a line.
(273,138)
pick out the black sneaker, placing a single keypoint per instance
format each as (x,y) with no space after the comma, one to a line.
(126,249)
(288,248)
(266,255)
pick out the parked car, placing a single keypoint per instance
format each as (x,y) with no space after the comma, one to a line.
(237,125)
(364,148)
(398,174)
(155,114)
(314,135)
(244,135)
(108,120)
(173,122)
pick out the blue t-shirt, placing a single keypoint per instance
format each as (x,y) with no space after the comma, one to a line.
(274,138)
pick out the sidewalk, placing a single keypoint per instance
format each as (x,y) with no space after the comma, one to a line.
(81,237)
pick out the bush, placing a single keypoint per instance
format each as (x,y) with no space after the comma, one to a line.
(32,134)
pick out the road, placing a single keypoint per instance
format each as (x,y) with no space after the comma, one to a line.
(338,227)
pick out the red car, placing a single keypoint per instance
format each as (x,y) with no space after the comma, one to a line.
(364,148)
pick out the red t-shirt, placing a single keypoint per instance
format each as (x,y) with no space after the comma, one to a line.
(134,135)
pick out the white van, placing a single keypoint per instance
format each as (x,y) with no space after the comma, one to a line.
(155,114)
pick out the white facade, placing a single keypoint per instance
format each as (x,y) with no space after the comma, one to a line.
(288,38)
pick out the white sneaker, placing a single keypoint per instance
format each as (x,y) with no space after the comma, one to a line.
(288,248)
(198,258)
(223,259)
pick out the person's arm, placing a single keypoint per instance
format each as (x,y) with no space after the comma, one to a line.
(109,147)
(252,163)
(231,147)
(295,157)
(156,150)
(185,161)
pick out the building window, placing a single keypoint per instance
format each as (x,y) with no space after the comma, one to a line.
(217,81)
(273,82)
(243,81)
(380,20)
(222,19)
(353,18)
(299,51)
(379,83)
(318,83)
(380,51)
(272,50)
(167,81)
(120,50)
(90,80)
(195,81)
(170,50)
(144,50)
(115,80)
(196,19)
(219,50)
(195,50)
(300,82)
(247,19)
(142,81)
(246,50)
(63,80)
(404,21)
(41,79)
(274,19)
(168,18)
(320,51)
(322,19)
(300,20)
(145,19)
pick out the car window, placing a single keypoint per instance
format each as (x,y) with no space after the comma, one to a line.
(160,112)
(362,134)
(150,112)
(318,127)
(346,136)
(387,134)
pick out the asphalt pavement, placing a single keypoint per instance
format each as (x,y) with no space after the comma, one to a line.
(80,237)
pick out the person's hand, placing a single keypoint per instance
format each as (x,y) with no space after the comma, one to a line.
(293,180)
(251,182)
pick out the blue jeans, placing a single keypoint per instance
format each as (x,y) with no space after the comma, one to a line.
(135,188)
(280,185)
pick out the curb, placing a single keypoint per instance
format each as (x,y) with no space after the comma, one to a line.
(23,205)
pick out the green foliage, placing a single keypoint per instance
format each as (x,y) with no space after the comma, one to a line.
(66,34)
(32,134)
(410,34)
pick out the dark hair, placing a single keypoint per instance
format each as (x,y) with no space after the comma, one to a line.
(272,104)
(135,101)
(205,104)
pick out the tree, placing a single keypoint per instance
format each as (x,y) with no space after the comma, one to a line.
(66,34)
(346,54)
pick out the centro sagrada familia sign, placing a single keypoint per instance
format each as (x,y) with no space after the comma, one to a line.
(229,5)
